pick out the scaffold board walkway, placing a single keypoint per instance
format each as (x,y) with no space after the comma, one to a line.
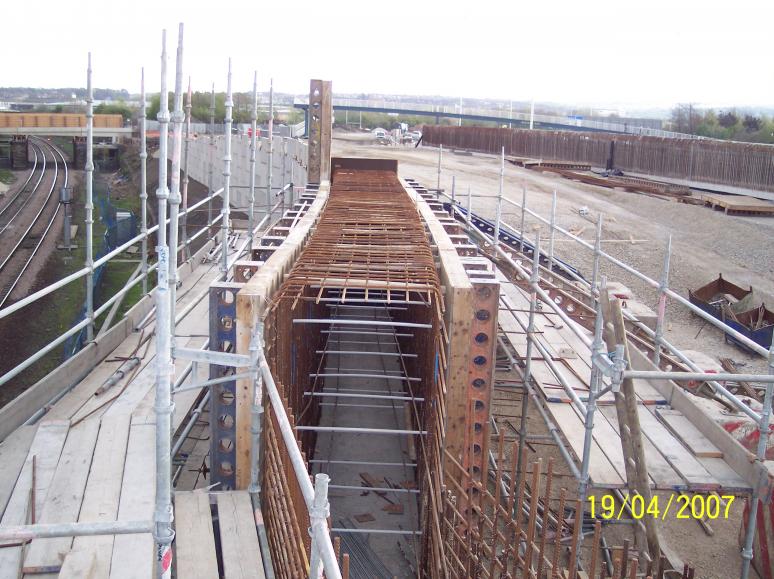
(92,457)
(678,455)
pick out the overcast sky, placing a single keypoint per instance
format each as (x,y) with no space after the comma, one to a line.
(654,52)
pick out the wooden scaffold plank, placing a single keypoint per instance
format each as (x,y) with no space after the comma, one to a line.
(65,495)
(103,490)
(44,454)
(133,554)
(194,538)
(238,537)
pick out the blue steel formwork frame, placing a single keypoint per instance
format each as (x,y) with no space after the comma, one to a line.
(223,407)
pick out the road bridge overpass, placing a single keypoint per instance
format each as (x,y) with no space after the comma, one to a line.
(519,120)
(61,125)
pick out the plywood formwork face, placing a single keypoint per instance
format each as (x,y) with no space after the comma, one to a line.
(483,344)
(253,303)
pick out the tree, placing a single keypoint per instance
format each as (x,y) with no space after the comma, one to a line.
(727,119)
(751,124)
(119,108)
(686,118)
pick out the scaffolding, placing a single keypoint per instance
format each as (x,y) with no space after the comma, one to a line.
(611,364)
(166,267)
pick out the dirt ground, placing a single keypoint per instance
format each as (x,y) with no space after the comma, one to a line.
(635,230)
(704,242)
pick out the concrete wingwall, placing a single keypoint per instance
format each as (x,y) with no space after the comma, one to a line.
(289,165)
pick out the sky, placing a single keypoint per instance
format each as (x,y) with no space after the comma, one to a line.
(634,53)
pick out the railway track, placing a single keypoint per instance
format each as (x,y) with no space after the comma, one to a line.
(21,245)
(17,202)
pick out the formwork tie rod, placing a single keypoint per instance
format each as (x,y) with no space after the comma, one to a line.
(364,353)
(374,489)
(375,531)
(361,323)
(370,396)
(360,462)
(379,376)
(355,430)
(368,333)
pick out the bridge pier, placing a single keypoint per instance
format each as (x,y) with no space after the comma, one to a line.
(79,152)
(19,152)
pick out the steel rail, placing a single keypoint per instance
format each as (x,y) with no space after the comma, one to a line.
(5,312)
(34,222)
(29,178)
(29,197)
(48,225)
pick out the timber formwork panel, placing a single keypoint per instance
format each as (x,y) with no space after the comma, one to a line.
(483,345)
(319,118)
(253,304)
(457,318)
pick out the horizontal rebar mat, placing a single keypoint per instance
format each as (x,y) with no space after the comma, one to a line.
(370,237)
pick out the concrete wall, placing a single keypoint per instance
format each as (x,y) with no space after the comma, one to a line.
(289,165)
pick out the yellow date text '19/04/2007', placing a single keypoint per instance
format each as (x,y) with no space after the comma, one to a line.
(680,506)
